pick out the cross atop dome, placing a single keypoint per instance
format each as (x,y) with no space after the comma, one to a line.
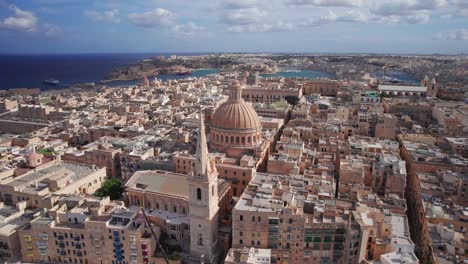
(236,91)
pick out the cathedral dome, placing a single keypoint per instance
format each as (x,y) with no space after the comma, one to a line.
(235,114)
(235,124)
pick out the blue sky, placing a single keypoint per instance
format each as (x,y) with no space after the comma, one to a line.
(88,26)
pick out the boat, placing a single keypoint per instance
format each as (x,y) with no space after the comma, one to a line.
(51,82)
(184,73)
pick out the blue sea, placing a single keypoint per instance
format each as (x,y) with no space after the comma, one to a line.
(396,75)
(195,73)
(29,71)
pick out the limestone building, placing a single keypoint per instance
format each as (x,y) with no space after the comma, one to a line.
(186,207)
(237,138)
(88,231)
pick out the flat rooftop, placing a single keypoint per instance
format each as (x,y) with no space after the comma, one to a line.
(163,182)
(36,181)
(402,88)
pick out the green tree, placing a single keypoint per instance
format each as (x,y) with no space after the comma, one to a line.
(292,100)
(112,188)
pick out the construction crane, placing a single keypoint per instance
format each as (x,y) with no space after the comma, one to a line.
(154,235)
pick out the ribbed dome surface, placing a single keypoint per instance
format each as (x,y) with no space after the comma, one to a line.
(235,115)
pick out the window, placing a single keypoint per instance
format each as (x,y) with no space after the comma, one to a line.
(241,218)
(199,194)
(241,242)
(259,219)
(253,218)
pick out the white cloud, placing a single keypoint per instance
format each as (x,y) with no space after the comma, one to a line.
(51,30)
(405,11)
(347,3)
(347,17)
(21,20)
(154,18)
(243,16)
(262,27)
(110,16)
(188,29)
(420,18)
(240,4)
(460,3)
(405,7)
(461,34)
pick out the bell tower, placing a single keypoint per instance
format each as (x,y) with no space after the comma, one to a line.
(203,189)
(432,88)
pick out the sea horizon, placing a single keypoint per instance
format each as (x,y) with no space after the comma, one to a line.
(156,53)
(31,70)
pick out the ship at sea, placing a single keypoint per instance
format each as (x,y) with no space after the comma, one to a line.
(51,82)
(184,73)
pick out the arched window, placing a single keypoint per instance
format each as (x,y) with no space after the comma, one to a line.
(237,139)
(243,140)
(248,139)
(232,139)
(217,137)
(198,194)
(200,240)
(227,139)
(212,190)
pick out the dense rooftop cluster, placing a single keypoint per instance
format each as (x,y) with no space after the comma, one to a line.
(238,168)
